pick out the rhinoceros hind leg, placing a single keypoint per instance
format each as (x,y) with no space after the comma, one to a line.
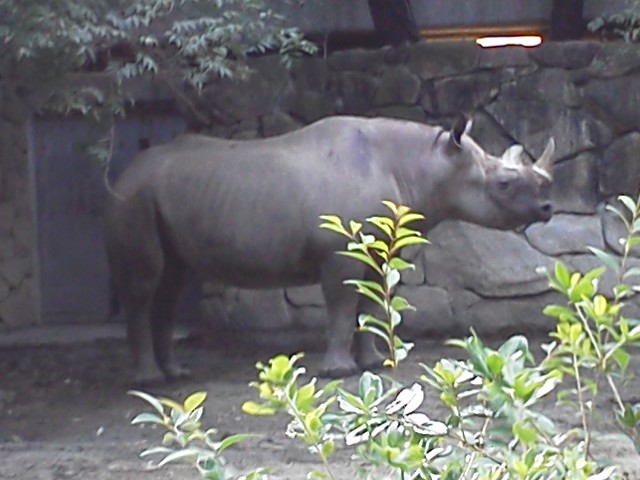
(163,311)
(367,353)
(146,371)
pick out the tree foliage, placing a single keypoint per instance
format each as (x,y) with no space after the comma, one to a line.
(186,43)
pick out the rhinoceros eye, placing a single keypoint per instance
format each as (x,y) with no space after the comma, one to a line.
(504,185)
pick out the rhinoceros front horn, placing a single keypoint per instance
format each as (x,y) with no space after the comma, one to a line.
(545,162)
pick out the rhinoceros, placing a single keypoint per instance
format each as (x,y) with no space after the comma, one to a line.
(246,213)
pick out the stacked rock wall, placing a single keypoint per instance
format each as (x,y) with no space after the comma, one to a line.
(17,298)
(584,94)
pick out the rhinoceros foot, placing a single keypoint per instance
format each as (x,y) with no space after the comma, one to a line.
(338,366)
(148,378)
(176,372)
(372,361)
(153,376)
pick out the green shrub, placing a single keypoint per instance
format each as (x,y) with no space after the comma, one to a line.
(495,427)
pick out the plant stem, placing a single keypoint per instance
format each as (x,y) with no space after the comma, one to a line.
(299,418)
(583,413)
(616,394)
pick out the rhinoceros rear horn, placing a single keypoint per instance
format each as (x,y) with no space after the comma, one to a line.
(461,126)
(545,162)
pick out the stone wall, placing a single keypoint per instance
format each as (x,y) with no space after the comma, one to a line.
(17,298)
(584,94)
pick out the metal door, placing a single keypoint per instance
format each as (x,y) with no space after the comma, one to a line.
(69,193)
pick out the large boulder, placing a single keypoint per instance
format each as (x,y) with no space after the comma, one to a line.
(553,85)
(502,317)
(261,309)
(566,55)
(575,185)
(617,100)
(487,262)
(433,315)
(532,122)
(353,92)
(619,168)
(442,59)
(398,86)
(566,234)
(464,93)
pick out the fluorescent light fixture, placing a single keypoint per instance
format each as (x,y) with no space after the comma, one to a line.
(520,40)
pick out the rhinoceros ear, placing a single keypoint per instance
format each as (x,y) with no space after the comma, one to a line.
(514,155)
(461,126)
(545,162)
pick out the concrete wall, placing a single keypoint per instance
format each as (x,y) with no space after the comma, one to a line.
(585,94)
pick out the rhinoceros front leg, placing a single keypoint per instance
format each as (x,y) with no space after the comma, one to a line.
(341,304)
(368,355)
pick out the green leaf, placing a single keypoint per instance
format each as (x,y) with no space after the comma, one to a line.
(606,258)
(629,203)
(257,409)
(370,387)
(620,215)
(400,264)
(632,272)
(355,227)
(406,241)
(621,357)
(379,245)
(403,232)
(495,363)
(375,331)
(194,400)
(150,399)
(410,217)
(156,451)
(327,448)
(317,475)
(172,404)
(391,206)
(600,305)
(634,334)
(366,291)
(560,312)
(233,440)
(392,278)
(400,304)
(635,240)
(366,319)
(178,455)
(396,318)
(524,433)
(385,224)
(366,283)
(335,228)
(350,403)
(148,418)
(562,275)
(366,259)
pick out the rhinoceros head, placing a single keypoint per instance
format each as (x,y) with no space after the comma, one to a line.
(499,192)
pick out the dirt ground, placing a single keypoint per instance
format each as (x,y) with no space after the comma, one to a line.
(65,414)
